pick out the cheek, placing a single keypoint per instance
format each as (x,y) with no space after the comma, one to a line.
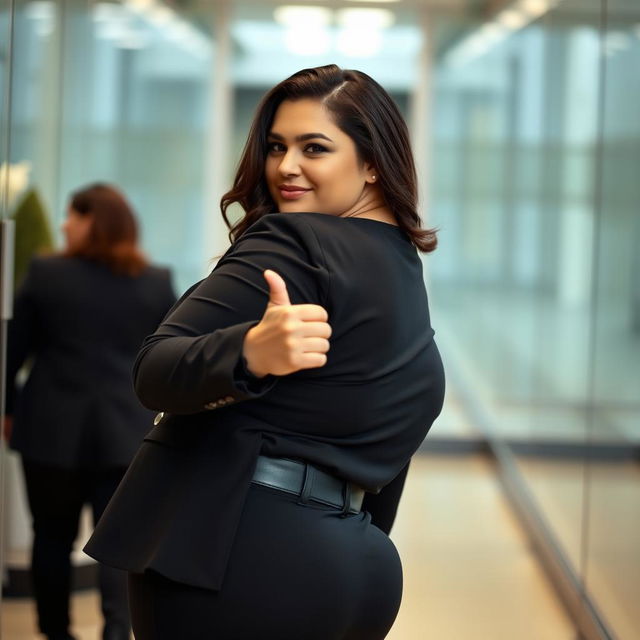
(270,173)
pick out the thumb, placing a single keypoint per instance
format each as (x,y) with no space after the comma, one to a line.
(278,294)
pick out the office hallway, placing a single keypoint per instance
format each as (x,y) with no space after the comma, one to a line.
(469,573)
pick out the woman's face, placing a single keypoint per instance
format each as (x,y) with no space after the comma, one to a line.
(76,229)
(312,165)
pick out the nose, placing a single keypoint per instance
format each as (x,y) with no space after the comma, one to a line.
(289,165)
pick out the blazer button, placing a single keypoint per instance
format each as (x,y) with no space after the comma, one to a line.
(158,418)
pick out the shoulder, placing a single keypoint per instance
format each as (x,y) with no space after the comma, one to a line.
(157,272)
(52,265)
(286,233)
(46,273)
(281,224)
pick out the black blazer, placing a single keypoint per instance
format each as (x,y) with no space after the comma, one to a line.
(83,326)
(360,417)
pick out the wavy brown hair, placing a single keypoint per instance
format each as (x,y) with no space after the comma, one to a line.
(113,235)
(367,114)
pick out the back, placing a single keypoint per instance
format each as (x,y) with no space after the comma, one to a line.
(83,326)
(369,408)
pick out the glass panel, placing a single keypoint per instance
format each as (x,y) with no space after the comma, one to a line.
(114,92)
(132,110)
(6,22)
(32,133)
(514,143)
(613,554)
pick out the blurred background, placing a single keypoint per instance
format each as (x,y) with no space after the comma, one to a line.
(522,512)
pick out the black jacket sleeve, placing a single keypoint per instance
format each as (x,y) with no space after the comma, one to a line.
(194,359)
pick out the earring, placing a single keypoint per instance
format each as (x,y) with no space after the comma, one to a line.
(373,178)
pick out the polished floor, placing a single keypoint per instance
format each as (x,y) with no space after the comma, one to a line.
(469,572)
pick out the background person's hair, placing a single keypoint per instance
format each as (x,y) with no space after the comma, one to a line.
(366,113)
(113,235)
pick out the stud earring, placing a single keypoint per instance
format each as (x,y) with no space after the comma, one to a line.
(373,178)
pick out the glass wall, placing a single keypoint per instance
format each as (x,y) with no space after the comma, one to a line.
(119,93)
(536,184)
(104,92)
(5,65)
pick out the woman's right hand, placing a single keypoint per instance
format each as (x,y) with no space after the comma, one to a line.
(290,337)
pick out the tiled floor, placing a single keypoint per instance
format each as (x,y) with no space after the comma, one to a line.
(469,573)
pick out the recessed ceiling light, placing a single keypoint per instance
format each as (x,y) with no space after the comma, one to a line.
(305,16)
(365,18)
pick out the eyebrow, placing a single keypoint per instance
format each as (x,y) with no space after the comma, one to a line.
(301,138)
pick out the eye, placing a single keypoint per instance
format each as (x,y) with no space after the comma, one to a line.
(315,149)
(275,147)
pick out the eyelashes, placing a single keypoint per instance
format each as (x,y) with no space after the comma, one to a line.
(312,149)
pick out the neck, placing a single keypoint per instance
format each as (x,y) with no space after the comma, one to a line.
(372,206)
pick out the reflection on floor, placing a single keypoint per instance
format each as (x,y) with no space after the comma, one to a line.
(469,573)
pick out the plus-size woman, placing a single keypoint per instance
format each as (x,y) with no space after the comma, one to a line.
(300,374)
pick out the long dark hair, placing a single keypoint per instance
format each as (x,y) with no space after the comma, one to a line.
(367,114)
(113,236)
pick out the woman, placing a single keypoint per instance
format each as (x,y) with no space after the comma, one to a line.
(82,316)
(299,374)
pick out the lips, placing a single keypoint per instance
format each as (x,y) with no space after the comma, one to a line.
(291,192)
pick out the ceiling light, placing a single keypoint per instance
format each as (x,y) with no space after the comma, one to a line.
(365,18)
(513,19)
(139,5)
(302,16)
(534,8)
(161,16)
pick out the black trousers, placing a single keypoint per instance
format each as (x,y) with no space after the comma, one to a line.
(296,572)
(56,497)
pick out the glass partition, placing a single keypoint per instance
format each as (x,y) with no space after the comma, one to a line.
(104,92)
(6,33)
(118,93)
(536,188)
(612,528)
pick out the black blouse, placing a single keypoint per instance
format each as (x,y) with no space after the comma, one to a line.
(361,416)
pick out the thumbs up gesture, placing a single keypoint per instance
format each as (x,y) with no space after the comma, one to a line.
(290,337)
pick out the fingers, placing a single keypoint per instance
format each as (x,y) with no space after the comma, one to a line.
(315,330)
(312,361)
(311,313)
(278,293)
(315,345)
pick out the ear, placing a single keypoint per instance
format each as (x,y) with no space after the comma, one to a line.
(371,174)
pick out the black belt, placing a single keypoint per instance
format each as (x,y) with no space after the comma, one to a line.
(308,482)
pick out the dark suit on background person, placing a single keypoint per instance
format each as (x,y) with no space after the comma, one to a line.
(79,319)
(76,420)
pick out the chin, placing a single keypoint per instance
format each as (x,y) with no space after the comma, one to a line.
(290,207)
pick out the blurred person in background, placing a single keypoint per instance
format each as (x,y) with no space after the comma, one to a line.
(79,318)
(301,373)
